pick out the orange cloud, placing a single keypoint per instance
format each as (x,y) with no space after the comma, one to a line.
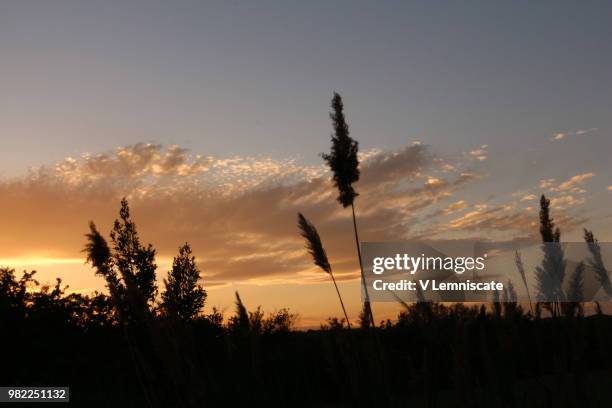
(479,154)
(572,184)
(454,207)
(238,213)
(529,197)
(562,135)
(574,181)
(566,201)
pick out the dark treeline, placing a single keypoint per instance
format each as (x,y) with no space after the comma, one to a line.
(140,345)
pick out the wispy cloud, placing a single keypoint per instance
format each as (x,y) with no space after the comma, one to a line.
(547,183)
(562,135)
(575,181)
(570,185)
(495,217)
(480,153)
(566,194)
(566,201)
(505,221)
(454,207)
(529,197)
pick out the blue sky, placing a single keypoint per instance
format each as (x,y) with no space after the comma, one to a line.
(245,78)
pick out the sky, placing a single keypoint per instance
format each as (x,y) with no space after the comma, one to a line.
(210,117)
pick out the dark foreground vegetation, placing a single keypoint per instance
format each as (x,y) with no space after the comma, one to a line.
(434,355)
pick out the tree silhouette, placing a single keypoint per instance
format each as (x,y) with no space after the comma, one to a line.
(183,297)
(128,268)
(344,164)
(135,262)
(281,321)
(14,293)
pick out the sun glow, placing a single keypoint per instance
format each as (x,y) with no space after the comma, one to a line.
(38,260)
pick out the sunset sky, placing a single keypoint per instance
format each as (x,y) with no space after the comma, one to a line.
(210,117)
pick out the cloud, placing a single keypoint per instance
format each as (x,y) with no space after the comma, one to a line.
(558,136)
(547,183)
(479,154)
(497,217)
(393,167)
(572,184)
(239,213)
(562,135)
(151,167)
(566,201)
(529,197)
(454,207)
(575,181)
(506,221)
(129,162)
(433,181)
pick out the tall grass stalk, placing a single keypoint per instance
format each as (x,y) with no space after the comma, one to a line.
(317,251)
(368,306)
(519,265)
(596,262)
(344,164)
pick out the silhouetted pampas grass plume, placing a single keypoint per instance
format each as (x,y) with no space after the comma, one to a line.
(575,292)
(240,322)
(596,262)
(319,256)
(344,164)
(551,273)
(521,268)
(99,255)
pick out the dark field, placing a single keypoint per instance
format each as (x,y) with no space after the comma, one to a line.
(435,355)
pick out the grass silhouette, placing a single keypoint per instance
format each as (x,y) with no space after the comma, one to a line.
(319,256)
(344,164)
